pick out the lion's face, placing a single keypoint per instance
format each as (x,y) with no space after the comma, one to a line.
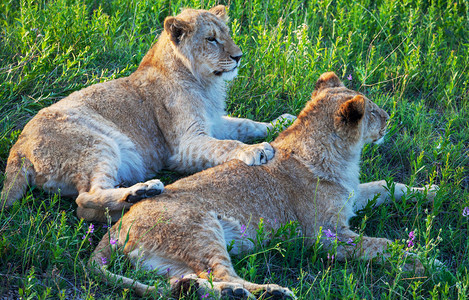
(202,38)
(359,119)
(352,116)
(374,123)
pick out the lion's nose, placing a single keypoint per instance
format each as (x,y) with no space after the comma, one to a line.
(386,117)
(236,58)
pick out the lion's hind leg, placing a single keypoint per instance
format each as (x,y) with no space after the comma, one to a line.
(230,287)
(92,203)
(215,273)
(264,291)
(98,182)
(207,289)
(194,245)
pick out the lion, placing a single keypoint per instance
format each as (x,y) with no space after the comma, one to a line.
(313,179)
(100,143)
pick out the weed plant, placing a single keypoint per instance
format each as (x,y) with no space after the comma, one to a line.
(411,57)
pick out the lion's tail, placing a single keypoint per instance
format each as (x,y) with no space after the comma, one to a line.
(19,174)
(101,256)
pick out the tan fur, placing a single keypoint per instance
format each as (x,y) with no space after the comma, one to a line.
(313,179)
(170,113)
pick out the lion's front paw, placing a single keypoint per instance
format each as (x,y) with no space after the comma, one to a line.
(235,292)
(257,154)
(430,189)
(144,190)
(274,291)
(284,121)
(413,263)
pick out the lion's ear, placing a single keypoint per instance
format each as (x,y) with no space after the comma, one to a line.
(220,11)
(352,111)
(328,80)
(176,29)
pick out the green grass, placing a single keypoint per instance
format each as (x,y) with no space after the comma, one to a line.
(410,57)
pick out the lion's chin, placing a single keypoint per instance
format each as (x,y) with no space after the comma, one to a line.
(230,75)
(227,75)
(379,141)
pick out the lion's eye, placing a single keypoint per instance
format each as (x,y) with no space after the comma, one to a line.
(212,39)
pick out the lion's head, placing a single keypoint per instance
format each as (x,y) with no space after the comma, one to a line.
(202,40)
(338,117)
(354,116)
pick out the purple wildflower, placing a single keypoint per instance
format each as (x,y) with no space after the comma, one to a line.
(465,212)
(204,296)
(168,269)
(103,260)
(91,228)
(113,241)
(209,271)
(330,257)
(243,231)
(410,242)
(328,233)
(349,77)
(350,242)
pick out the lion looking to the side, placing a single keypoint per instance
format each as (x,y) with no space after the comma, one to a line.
(170,113)
(313,179)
